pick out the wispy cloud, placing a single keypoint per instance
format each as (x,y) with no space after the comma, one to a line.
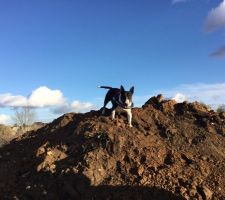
(219,52)
(214,21)
(178,1)
(4,119)
(216,18)
(211,94)
(75,106)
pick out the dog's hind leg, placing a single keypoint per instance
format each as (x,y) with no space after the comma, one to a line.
(106,101)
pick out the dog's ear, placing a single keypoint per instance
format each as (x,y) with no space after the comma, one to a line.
(132,90)
(122,88)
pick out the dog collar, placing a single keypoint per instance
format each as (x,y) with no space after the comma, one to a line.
(123,106)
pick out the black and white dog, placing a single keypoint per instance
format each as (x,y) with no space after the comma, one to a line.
(119,98)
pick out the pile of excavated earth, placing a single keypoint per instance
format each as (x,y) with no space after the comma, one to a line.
(173,151)
(8,133)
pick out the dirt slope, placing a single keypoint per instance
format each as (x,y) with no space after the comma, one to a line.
(173,151)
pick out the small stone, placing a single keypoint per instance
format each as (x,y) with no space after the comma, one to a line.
(192,192)
(28,187)
(186,197)
(183,190)
(141,170)
(204,158)
(144,180)
(75,170)
(49,153)
(44,192)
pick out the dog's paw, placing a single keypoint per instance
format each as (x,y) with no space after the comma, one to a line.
(130,125)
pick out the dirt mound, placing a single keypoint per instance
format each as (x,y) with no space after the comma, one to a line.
(173,151)
(8,133)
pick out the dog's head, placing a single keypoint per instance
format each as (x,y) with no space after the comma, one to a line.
(126,96)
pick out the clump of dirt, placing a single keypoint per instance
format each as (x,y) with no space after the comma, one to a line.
(173,151)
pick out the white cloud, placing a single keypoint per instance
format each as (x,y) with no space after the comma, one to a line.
(41,97)
(216,18)
(211,94)
(4,119)
(9,100)
(179,98)
(45,97)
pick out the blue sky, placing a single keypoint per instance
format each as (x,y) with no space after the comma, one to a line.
(73,46)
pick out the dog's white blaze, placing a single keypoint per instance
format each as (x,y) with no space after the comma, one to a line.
(128,102)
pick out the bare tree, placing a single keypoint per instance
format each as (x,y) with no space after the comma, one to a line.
(24,117)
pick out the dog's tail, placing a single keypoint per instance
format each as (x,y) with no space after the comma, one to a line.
(105,87)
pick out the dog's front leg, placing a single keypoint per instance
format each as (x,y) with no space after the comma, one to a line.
(113,114)
(129,116)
